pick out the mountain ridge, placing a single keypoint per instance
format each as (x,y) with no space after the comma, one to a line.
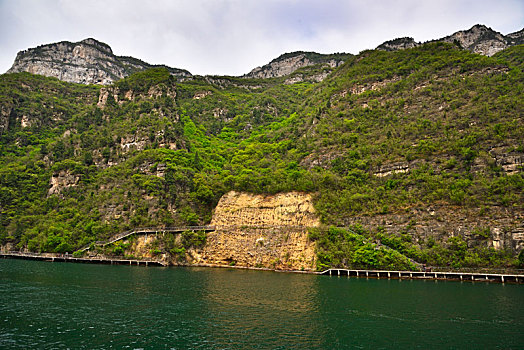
(419,150)
(478,39)
(90,61)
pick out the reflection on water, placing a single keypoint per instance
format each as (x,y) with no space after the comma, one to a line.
(61,305)
(286,311)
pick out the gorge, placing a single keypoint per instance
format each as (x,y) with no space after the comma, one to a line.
(405,155)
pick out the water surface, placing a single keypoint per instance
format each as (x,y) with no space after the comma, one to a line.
(65,305)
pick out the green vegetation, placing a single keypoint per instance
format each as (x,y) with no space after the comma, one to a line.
(177,246)
(161,153)
(346,248)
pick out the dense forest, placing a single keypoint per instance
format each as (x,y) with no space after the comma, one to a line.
(383,133)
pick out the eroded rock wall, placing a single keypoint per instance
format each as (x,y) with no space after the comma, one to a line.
(497,227)
(282,209)
(261,231)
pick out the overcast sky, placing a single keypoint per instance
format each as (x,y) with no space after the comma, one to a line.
(231,37)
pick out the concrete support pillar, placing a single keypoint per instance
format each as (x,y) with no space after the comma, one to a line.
(502,278)
(389,274)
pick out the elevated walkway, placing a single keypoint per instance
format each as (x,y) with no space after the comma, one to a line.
(141,230)
(456,276)
(70,258)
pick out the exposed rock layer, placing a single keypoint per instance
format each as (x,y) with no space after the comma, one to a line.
(86,62)
(252,231)
(290,62)
(62,180)
(478,39)
(261,231)
(282,209)
(500,228)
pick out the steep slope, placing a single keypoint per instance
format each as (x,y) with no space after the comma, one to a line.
(419,150)
(516,38)
(270,231)
(86,62)
(398,44)
(478,39)
(290,62)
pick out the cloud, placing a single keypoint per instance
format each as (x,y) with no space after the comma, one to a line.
(232,37)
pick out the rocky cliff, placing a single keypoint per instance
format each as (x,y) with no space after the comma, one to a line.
(478,39)
(86,62)
(398,44)
(92,62)
(258,231)
(498,228)
(290,62)
(261,231)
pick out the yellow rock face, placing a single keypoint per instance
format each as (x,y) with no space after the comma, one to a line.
(283,209)
(261,231)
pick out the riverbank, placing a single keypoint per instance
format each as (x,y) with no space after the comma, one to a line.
(475,276)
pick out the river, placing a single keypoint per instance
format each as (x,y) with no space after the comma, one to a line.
(65,305)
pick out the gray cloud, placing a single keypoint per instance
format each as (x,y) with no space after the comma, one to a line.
(233,36)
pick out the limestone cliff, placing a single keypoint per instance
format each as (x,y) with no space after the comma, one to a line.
(283,209)
(498,227)
(290,62)
(478,39)
(86,62)
(258,231)
(62,180)
(398,44)
(261,231)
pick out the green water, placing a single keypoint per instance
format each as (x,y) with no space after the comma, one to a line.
(64,305)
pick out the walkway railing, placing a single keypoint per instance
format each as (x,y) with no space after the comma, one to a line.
(71,258)
(207,228)
(125,234)
(434,275)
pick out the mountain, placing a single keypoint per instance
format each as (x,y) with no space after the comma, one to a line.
(395,157)
(516,38)
(290,62)
(86,62)
(398,44)
(478,39)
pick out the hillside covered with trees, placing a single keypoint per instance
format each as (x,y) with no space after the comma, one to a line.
(386,134)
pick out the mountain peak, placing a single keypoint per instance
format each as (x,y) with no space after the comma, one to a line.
(479,39)
(287,63)
(98,44)
(398,44)
(86,62)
